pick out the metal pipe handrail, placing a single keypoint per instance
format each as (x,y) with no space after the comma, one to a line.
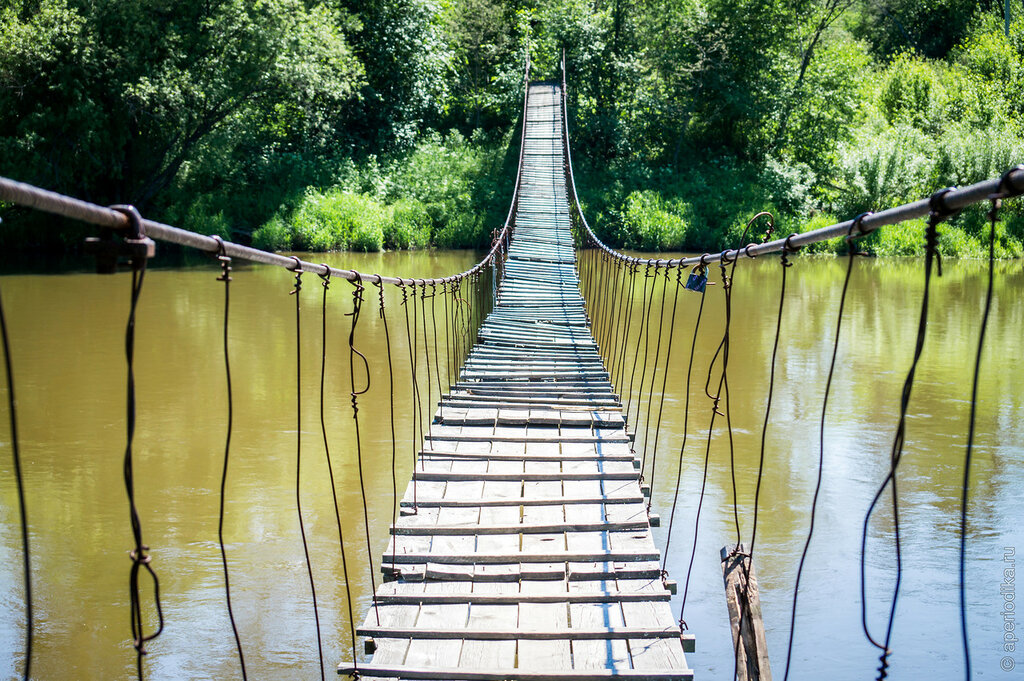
(1010,184)
(58,204)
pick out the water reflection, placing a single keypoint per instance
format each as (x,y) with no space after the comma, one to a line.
(68,349)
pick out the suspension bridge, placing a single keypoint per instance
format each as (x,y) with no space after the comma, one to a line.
(522,548)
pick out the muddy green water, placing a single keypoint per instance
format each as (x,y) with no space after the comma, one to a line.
(67,337)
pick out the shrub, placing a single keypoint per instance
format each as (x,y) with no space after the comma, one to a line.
(273,236)
(648,224)
(410,225)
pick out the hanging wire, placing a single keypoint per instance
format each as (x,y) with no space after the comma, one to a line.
(426,356)
(12,411)
(138,555)
(357,305)
(437,362)
(298,455)
(415,388)
(326,285)
(937,215)
(654,376)
(391,413)
(853,253)
(642,338)
(225,276)
(664,379)
(786,264)
(995,201)
(679,468)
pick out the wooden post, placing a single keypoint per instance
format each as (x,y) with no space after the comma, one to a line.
(745,615)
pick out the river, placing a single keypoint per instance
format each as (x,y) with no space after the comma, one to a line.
(67,342)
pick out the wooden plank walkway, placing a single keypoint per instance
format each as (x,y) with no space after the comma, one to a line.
(525,550)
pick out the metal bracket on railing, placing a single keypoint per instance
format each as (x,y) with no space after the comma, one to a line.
(109,251)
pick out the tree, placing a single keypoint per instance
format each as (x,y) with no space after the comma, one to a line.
(110,99)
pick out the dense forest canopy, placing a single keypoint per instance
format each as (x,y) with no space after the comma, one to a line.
(387,123)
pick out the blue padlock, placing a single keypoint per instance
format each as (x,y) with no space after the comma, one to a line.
(697,280)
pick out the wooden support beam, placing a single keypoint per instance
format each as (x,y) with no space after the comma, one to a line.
(744,604)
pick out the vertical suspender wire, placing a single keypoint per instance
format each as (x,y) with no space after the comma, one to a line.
(12,411)
(679,469)
(603,291)
(433,329)
(225,263)
(787,249)
(447,336)
(625,330)
(664,377)
(426,355)
(642,337)
(854,225)
(298,456)
(414,389)
(414,348)
(326,284)
(613,323)
(993,215)
(600,299)
(391,416)
(138,554)
(357,305)
(654,375)
(931,253)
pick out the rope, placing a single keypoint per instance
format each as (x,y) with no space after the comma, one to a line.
(357,305)
(298,456)
(821,438)
(225,276)
(12,412)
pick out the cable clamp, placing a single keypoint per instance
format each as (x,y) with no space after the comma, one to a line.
(135,246)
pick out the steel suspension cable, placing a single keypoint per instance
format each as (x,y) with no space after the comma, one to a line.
(12,412)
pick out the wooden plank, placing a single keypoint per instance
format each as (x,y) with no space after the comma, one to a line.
(438,653)
(491,633)
(521,528)
(507,598)
(521,673)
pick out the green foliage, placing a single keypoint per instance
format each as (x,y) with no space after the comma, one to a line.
(410,226)
(648,224)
